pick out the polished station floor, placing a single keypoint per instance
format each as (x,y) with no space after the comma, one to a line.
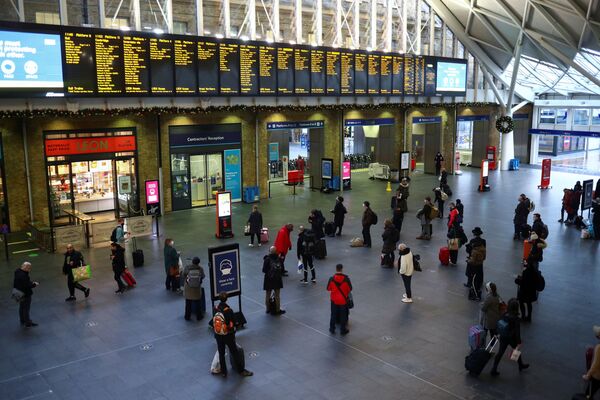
(138,346)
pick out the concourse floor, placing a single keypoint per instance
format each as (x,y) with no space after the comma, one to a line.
(138,346)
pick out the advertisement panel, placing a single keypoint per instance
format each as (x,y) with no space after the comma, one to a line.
(224,268)
(233,173)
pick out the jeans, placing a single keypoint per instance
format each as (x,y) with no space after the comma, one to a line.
(441,208)
(308,262)
(252,238)
(501,350)
(24,307)
(339,314)
(193,305)
(117,277)
(72,285)
(406,279)
(526,316)
(229,341)
(366,232)
(277,299)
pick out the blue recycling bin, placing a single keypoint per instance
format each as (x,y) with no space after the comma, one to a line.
(251,194)
(513,165)
(334,183)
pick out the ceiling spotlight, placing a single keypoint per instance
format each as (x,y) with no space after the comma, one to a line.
(219,36)
(125,28)
(244,38)
(158,31)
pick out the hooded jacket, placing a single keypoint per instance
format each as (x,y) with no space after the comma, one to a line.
(282,243)
(339,296)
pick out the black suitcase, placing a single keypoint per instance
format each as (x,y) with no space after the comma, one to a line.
(238,364)
(476,361)
(329,228)
(137,255)
(320,249)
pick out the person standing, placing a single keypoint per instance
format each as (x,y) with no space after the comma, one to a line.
(193,275)
(171,259)
(224,329)
(521,214)
(255,222)
(461,210)
(405,269)
(596,217)
(476,250)
(456,238)
(536,255)
(424,215)
(490,309)
(399,207)
(73,259)
(301,166)
(510,336)
(404,188)
(539,227)
(368,218)
(305,248)
(575,201)
(527,292)
(390,237)
(118,265)
(316,221)
(23,283)
(565,204)
(593,373)
(439,159)
(339,213)
(453,216)
(443,179)
(439,199)
(273,281)
(283,244)
(340,288)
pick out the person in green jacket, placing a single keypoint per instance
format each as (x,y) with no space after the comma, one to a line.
(171,265)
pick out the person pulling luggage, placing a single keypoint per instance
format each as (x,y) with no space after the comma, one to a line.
(273,281)
(509,330)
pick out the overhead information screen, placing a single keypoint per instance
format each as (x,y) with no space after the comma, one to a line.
(208,67)
(249,69)
(360,73)
(347,73)
(430,76)
(386,75)
(185,66)
(373,69)
(109,64)
(267,70)
(397,75)
(229,68)
(451,77)
(161,66)
(79,63)
(409,76)
(317,71)
(333,72)
(419,76)
(285,70)
(302,70)
(135,65)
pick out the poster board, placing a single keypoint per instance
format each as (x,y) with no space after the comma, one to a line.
(587,197)
(224,269)
(326,168)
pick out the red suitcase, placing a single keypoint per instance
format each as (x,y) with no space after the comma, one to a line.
(264,235)
(526,249)
(128,278)
(444,256)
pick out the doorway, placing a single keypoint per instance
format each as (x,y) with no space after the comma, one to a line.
(426,142)
(290,145)
(196,179)
(366,143)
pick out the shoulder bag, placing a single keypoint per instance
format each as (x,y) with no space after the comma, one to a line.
(349,299)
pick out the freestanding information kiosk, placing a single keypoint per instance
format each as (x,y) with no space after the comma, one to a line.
(224,229)
(483,178)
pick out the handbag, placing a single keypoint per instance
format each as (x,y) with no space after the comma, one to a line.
(247,230)
(453,244)
(515,354)
(82,273)
(174,270)
(17,295)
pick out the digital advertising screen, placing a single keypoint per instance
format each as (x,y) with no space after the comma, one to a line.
(451,77)
(152,192)
(224,204)
(30,62)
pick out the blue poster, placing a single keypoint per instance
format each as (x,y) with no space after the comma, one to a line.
(326,168)
(451,77)
(30,60)
(233,173)
(225,271)
(273,151)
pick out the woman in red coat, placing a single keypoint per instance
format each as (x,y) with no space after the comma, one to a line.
(283,243)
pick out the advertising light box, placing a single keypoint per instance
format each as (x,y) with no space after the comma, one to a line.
(451,77)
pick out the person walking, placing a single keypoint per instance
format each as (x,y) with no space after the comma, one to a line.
(73,259)
(593,373)
(23,283)
(476,249)
(118,265)
(399,207)
(425,215)
(527,291)
(193,275)
(255,224)
(509,336)
(368,218)
(316,221)
(305,248)
(171,259)
(490,309)
(456,239)
(273,281)
(439,199)
(390,237)
(596,217)
(339,213)
(405,269)
(283,244)
(224,329)
(340,289)
(521,214)
(439,159)
(119,234)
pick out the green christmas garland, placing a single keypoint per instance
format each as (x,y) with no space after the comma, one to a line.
(505,124)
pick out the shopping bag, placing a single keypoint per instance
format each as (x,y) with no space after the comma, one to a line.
(215,366)
(247,230)
(82,273)
(300,267)
(453,244)
(515,354)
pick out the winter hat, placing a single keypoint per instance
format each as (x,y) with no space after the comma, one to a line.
(477,231)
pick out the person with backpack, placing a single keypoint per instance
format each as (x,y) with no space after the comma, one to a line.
(539,227)
(339,213)
(317,220)
(340,288)
(118,234)
(390,237)
(399,207)
(283,244)
(255,224)
(527,292)
(273,281)
(490,309)
(593,373)
(521,214)
(368,218)
(193,275)
(509,331)
(476,250)
(406,269)
(171,259)
(425,215)
(224,330)
(73,259)
(536,255)
(456,239)
(118,265)
(440,198)
(305,248)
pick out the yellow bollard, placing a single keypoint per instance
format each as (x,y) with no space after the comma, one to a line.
(389,187)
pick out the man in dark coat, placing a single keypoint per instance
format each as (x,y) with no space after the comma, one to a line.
(368,219)
(527,292)
(439,159)
(23,282)
(521,214)
(317,220)
(118,265)
(390,237)
(399,207)
(255,222)
(339,213)
(305,248)
(476,249)
(273,281)
(73,259)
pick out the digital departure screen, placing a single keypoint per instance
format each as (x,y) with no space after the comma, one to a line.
(208,67)
(229,68)
(333,72)
(397,75)
(386,74)
(373,69)
(185,66)
(360,73)
(267,70)
(302,70)
(317,71)
(347,73)
(135,65)
(249,69)
(409,75)
(285,70)
(109,64)
(79,63)
(161,66)
(419,76)
(430,76)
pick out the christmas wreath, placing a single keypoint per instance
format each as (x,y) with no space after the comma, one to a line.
(505,124)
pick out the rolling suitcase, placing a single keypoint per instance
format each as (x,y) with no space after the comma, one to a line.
(320,249)
(526,249)
(477,336)
(329,228)
(476,361)
(444,256)
(128,279)
(264,235)
(137,255)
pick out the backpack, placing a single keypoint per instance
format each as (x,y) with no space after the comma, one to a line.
(219,324)
(531,206)
(540,282)
(374,220)
(113,235)
(309,243)
(444,196)
(193,279)
(503,327)
(544,233)
(478,255)
(434,212)
(275,268)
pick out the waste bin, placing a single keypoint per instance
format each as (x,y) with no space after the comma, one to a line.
(251,194)
(513,165)
(394,175)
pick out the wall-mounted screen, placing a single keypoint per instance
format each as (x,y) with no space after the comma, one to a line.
(451,77)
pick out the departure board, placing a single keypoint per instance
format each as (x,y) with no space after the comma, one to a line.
(79,64)
(409,76)
(373,69)
(135,65)
(360,73)
(229,68)
(161,66)
(302,70)
(185,66)
(386,74)
(347,73)
(333,72)
(285,70)
(109,64)
(397,75)
(317,71)
(419,76)
(430,76)
(267,58)
(208,67)
(249,69)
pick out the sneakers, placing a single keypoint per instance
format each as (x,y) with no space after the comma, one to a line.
(71,298)
(87,292)
(303,281)
(404,296)
(245,373)
(259,244)
(250,245)
(407,300)
(313,280)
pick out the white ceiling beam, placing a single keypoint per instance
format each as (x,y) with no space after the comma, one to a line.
(200,17)
(319,22)
(356,24)
(515,71)
(101,13)
(494,32)
(569,40)
(387,34)
(373,24)
(275,19)
(495,47)
(490,82)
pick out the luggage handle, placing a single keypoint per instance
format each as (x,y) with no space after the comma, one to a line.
(490,346)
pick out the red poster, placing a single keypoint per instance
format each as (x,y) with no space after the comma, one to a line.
(546,167)
(91,145)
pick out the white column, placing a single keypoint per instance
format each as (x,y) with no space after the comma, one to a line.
(226,19)
(404,26)
(21,10)
(319,19)
(275,19)
(356,24)
(418,27)
(373,16)
(169,10)
(388,26)
(431,31)
(508,139)
(200,17)
(338,23)
(101,13)
(298,15)
(137,16)
(62,10)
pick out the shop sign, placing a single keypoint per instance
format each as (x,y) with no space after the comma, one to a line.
(369,122)
(109,144)
(233,173)
(71,234)
(139,226)
(275,126)
(427,120)
(473,118)
(224,262)
(204,138)
(556,132)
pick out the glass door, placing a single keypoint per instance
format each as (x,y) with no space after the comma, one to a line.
(127,188)
(198,179)
(60,192)
(214,168)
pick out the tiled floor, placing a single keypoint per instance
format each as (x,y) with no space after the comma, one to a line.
(137,346)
